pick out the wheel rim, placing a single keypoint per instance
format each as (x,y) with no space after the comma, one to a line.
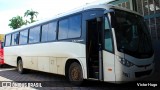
(75,74)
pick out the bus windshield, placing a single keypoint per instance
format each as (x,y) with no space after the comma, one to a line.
(132,34)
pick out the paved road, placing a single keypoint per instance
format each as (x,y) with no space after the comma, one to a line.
(57,82)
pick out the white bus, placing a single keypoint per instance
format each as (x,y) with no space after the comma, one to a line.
(97,42)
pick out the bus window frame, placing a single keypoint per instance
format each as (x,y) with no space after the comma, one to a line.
(10,40)
(67,17)
(46,23)
(13,37)
(29,30)
(27,36)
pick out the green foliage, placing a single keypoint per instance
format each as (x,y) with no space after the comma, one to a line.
(16,22)
(32,14)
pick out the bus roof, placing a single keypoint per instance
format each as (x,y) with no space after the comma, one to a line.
(86,7)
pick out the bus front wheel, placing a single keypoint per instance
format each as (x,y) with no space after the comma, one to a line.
(75,74)
(20,66)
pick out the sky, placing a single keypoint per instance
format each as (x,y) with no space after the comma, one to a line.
(46,9)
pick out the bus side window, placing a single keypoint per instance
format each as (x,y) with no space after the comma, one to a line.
(23,38)
(63,29)
(15,38)
(74,26)
(34,34)
(108,36)
(8,40)
(70,27)
(49,31)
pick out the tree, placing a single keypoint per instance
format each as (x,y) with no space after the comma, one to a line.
(32,14)
(16,22)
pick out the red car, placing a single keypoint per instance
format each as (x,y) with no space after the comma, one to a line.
(1,55)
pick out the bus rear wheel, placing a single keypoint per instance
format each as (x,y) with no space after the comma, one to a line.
(20,66)
(75,74)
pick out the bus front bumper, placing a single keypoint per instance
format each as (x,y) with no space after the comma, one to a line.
(134,73)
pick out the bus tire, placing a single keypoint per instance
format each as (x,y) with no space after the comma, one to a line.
(20,67)
(75,74)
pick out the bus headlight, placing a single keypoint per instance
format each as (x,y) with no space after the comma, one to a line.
(126,62)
